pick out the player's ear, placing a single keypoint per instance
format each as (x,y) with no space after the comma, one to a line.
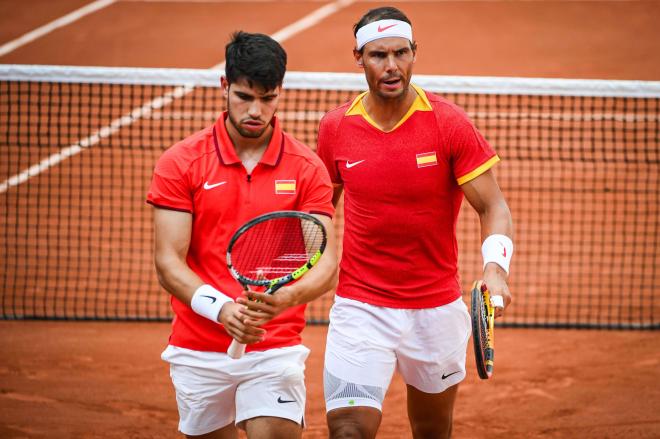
(224,83)
(357,54)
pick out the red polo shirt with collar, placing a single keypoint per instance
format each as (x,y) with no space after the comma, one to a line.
(203,175)
(402,196)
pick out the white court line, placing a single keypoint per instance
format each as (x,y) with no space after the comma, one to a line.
(146,109)
(310,20)
(96,137)
(55,24)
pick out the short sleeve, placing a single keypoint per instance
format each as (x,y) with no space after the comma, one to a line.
(471,154)
(317,194)
(170,187)
(324,148)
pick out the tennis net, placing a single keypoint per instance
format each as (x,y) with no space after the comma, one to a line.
(77,148)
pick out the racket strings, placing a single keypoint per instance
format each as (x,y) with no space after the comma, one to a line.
(276,247)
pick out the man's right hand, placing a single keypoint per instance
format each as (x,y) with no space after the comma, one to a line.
(234,322)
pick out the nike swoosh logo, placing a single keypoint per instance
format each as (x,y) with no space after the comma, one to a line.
(208,186)
(284,401)
(349,165)
(450,374)
(383,29)
(213,299)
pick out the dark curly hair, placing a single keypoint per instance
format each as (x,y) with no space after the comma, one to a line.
(256,57)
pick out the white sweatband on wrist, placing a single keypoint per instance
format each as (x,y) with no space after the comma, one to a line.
(207,302)
(497,301)
(382,29)
(499,249)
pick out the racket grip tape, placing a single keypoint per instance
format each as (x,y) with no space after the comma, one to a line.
(236,350)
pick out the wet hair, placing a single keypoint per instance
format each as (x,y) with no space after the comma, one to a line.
(382,13)
(255,57)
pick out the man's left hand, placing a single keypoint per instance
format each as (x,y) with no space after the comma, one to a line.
(495,279)
(261,308)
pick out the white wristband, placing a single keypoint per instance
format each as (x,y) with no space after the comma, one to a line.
(497,301)
(498,249)
(207,302)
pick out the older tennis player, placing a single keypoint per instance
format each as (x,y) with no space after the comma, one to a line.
(404,159)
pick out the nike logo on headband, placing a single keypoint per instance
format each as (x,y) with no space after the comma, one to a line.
(383,29)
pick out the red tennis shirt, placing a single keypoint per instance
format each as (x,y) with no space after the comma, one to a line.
(203,175)
(402,196)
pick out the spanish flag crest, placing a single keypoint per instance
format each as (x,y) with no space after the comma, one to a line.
(426,159)
(285,187)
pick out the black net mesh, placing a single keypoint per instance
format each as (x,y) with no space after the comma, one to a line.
(580,175)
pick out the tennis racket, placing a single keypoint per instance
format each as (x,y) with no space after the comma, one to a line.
(483,329)
(272,250)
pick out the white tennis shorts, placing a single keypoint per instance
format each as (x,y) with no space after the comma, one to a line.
(213,390)
(366,343)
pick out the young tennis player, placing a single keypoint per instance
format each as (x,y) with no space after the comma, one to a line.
(204,188)
(404,158)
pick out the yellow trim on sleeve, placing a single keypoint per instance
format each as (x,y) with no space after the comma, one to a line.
(478,171)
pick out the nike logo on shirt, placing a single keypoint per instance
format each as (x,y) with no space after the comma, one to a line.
(349,165)
(208,186)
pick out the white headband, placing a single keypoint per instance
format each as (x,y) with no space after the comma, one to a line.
(383,29)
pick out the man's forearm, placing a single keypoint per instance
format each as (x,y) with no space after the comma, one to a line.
(177,278)
(496,219)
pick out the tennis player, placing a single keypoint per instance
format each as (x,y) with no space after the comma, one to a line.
(404,158)
(203,189)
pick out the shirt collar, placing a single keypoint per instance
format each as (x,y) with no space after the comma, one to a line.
(421,103)
(227,153)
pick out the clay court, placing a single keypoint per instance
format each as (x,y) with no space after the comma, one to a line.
(105,379)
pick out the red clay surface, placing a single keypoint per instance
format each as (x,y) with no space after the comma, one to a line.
(613,40)
(19,18)
(106,379)
(590,39)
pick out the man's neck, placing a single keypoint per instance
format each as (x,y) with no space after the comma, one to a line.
(249,150)
(388,112)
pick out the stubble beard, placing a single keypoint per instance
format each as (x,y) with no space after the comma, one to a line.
(241,131)
(397,96)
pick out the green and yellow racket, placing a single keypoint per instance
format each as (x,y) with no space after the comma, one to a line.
(483,329)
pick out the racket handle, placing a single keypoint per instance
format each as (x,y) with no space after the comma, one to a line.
(236,350)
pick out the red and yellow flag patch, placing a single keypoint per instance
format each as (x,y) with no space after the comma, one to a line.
(285,187)
(426,159)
